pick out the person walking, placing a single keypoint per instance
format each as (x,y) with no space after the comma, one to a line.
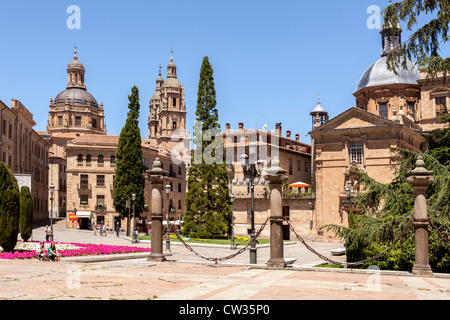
(94,227)
(47,233)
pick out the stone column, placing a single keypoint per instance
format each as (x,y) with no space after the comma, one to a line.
(420,178)
(276,176)
(156,175)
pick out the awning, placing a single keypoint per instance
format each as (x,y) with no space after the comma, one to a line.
(83,214)
(299,184)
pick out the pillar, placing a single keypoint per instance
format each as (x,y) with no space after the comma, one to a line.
(156,175)
(420,178)
(276,176)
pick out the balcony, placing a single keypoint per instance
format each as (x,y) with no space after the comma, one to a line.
(100,207)
(84,187)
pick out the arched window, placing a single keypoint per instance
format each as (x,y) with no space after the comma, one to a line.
(100,159)
(113,159)
(80,158)
(88,158)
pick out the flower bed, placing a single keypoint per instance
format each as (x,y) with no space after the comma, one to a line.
(27,250)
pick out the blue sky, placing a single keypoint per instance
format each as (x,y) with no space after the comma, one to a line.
(271,59)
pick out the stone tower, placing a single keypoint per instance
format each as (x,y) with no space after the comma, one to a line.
(75,109)
(167,120)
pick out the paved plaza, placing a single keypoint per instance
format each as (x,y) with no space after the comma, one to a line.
(185,276)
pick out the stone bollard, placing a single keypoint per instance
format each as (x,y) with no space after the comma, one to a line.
(276,176)
(156,176)
(420,178)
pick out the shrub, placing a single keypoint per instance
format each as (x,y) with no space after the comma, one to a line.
(9,208)
(26,213)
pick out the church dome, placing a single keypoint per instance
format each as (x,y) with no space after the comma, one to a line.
(378,75)
(172,82)
(76,96)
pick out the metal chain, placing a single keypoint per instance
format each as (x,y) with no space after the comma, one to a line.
(350,263)
(215,260)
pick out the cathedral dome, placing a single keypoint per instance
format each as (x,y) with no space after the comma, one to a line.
(172,82)
(378,75)
(76,96)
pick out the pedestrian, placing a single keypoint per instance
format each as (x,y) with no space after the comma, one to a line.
(52,253)
(104,230)
(117,229)
(47,232)
(94,227)
(40,252)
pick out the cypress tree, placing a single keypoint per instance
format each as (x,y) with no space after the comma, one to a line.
(26,213)
(129,171)
(208,209)
(9,208)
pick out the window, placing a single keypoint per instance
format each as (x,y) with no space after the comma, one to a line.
(80,158)
(174,102)
(179,187)
(84,181)
(174,125)
(94,123)
(100,180)
(356,152)
(179,204)
(441,105)
(100,159)
(84,198)
(290,166)
(383,109)
(113,159)
(88,158)
(77,121)
(179,170)
(4,127)
(306,166)
(298,166)
(100,200)
(60,121)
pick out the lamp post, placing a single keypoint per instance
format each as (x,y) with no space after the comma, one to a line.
(252,171)
(233,246)
(134,237)
(52,192)
(349,193)
(168,189)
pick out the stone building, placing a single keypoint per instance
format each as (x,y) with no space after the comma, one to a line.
(392,111)
(90,181)
(294,156)
(82,157)
(26,152)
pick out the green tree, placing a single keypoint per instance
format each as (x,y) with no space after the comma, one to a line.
(129,171)
(26,213)
(9,208)
(208,208)
(424,43)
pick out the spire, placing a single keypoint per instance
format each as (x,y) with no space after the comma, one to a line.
(75,73)
(391,38)
(75,53)
(171,68)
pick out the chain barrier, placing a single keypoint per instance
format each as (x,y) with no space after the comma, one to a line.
(215,260)
(350,263)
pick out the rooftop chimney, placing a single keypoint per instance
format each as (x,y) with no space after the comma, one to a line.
(278,129)
(297,137)
(241,125)
(288,134)
(227,127)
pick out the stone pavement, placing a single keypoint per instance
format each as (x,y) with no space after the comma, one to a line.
(187,277)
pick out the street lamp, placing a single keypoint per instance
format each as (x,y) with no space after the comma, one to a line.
(134,237)
(349,192)
(252,171)
(168,189)
(52,192)
(233,246)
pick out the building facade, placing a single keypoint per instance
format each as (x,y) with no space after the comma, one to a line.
(82,157)
(26,152)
